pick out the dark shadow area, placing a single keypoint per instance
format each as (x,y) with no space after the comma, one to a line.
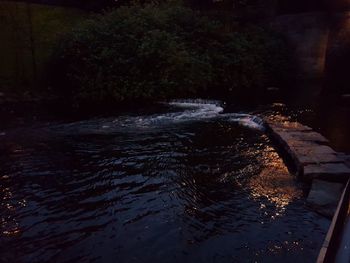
(300,6)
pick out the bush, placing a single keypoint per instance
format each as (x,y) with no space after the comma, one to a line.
(166,51)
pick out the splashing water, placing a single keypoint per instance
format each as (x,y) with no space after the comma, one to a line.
(211,109)
(183,111)
(247,120)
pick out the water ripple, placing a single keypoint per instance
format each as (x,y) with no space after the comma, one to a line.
(76,192)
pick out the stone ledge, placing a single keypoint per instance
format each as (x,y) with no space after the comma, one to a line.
(287,126)
(324,196)
(335,172)
(308,150)
(319,159)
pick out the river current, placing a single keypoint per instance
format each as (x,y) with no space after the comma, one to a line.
(190,184)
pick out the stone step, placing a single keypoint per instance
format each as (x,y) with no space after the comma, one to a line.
(318,159)
(288,126)
(335,172)
(345,158)
(301,137)
(308,137)
(314,154)
(324,197)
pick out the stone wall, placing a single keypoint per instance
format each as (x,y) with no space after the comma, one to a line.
(321,41)
(337,56)
(308,34)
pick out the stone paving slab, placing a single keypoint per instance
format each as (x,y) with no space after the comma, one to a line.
(308,136)
(314,149)
(292,143)
(301,136)
(345,157)
(324,197)
(319,159)
(336,172)
(287,126)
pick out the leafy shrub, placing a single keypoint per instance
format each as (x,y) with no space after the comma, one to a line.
(157,52)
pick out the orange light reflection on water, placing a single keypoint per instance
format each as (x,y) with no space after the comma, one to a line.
(9,227)
(274,183)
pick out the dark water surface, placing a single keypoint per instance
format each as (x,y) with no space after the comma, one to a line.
(187,186)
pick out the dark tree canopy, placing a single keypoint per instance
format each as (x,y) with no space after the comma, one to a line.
(167,51)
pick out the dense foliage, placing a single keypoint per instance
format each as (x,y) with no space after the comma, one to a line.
(158,52)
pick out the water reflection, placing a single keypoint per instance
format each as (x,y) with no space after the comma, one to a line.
(183,192)
(8,205)
(274,182)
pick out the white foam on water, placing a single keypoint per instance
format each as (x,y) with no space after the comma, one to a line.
(196,110)
(188,110)
(211,109)
(248,120)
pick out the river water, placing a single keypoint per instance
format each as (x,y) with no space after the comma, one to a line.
(189,184)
